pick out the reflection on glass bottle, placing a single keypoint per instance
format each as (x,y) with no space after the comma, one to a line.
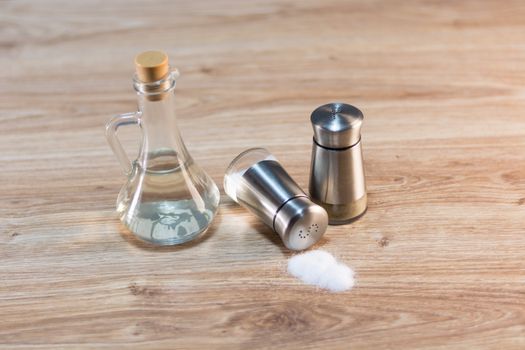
(168,199)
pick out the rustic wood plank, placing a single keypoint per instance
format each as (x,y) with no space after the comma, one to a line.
(439,256)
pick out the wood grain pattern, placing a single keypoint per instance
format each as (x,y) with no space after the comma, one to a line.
(439,256)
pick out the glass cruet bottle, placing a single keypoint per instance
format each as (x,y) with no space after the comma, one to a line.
(167,199)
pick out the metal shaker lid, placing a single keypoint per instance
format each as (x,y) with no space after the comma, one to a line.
(300,223)
(337,125)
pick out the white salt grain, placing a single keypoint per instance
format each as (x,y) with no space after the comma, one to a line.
(320,268)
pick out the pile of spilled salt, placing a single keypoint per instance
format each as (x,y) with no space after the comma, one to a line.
(320,268)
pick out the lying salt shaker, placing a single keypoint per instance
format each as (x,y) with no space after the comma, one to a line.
(337,178)
(257,181)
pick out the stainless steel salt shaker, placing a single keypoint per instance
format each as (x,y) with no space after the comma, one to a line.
(337,178)
(257,181)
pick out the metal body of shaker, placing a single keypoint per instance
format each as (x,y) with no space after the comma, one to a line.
(337,177)
(257,181)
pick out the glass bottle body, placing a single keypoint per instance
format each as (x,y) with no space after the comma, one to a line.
(167,199)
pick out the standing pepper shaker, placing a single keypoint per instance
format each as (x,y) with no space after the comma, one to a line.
(337,178)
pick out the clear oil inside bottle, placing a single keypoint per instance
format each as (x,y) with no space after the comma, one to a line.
(168,199)
(158,206)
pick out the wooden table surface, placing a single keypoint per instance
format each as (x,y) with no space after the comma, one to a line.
(439,256)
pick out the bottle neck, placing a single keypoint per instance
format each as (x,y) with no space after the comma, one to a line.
(162,144)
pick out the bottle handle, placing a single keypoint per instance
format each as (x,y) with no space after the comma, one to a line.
(111,135)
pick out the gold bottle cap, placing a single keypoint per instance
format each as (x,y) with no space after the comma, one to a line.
(151,66)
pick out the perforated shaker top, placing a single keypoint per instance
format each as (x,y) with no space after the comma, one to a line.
(337,125)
